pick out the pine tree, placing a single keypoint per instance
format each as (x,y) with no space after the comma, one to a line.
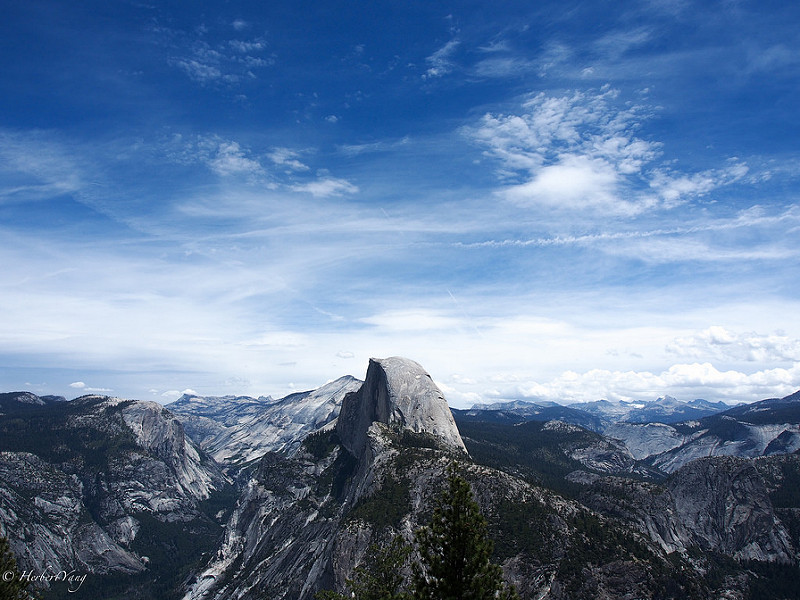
(455,550)
(12,587)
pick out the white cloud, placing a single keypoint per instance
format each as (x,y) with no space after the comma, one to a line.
(287,158)
(202,72)
(372,147)
(80,385)
(441,62)
(685,381)
(230,159)
(613,45)
(675,249)
(173,395)
(720,343)
(243,47)
(582,151)
(227,62)
(226,158)
(326,187)
(503,66)
(555,55)
(574,182)
(34,166)
(675,188)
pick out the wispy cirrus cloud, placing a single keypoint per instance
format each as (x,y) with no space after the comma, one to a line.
(210,62)
(224,157)
(441,62)
(326,187)
(582,151)
(35,166)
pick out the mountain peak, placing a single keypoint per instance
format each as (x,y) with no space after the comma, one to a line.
(398,392)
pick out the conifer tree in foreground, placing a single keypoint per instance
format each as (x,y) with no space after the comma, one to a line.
(12,587)
(455,550)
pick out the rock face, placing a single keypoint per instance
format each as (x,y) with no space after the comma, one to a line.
(115,488)
(716,504)
(305,521)
(292,531)
(100,484)
(724,506)
(43,513)
(399,393)
(235,430)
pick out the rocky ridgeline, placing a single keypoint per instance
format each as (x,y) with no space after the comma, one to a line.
(236,430)
(117,487)
(290,534)
(79,479)
(305,521)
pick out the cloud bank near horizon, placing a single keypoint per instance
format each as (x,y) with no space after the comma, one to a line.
(255,201)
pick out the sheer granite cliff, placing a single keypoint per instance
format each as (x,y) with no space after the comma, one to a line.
(305,521)
(399,393)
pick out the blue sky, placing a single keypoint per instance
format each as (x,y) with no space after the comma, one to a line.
(556,200)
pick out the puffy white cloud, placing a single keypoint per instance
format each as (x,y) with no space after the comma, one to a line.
(721,343)
(685,381)
(574,182)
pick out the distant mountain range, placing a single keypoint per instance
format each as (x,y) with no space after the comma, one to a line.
(237,497)
(662,410)
(676,432)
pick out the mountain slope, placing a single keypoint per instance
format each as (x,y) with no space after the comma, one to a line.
(237,429)
(305,521)
(103,485)
(762,428)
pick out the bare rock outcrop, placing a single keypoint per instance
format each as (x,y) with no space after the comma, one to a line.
(401,394)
